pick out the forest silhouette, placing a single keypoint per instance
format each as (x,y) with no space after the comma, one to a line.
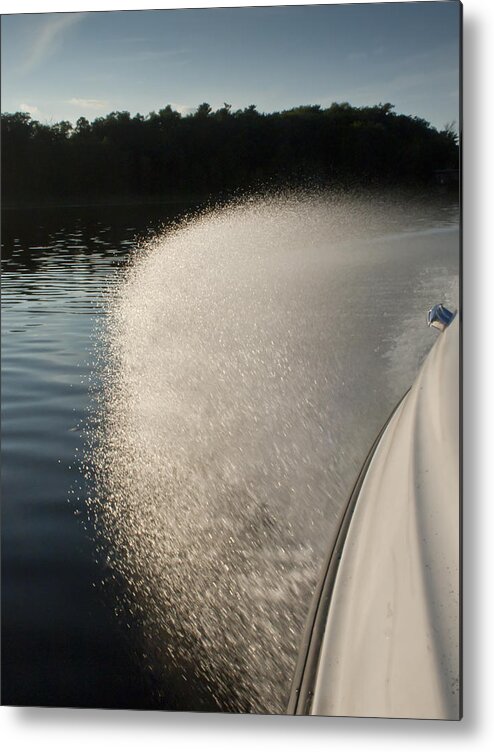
(165,155)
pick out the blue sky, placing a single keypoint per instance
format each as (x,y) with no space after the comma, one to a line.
(64,65)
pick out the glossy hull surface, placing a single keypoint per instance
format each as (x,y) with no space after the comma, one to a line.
(390,645)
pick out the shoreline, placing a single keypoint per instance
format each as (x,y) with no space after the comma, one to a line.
(196,199)
(105,203)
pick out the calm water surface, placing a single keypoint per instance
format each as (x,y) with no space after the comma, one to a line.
(61,645)
(341,293)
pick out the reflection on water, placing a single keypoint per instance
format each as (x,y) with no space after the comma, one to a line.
(61,645)
(247,361)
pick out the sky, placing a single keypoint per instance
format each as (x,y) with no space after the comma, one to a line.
(60,66)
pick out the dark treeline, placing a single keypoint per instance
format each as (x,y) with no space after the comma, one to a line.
(169,155)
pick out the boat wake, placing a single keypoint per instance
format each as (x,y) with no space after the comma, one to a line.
(246,369)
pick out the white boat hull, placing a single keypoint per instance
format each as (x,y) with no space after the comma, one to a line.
(388,616)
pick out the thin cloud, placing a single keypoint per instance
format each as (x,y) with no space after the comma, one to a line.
(175,57)
(48,39)
(31,108)
(158,54)
(183,109)
(34,111)
(357,56)
(88,104)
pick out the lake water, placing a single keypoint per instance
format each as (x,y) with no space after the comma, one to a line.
(184,411)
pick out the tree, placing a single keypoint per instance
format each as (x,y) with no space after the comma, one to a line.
(208,152)
(203,111)
(450,131)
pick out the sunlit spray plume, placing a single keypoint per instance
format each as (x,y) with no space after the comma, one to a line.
(247,365)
